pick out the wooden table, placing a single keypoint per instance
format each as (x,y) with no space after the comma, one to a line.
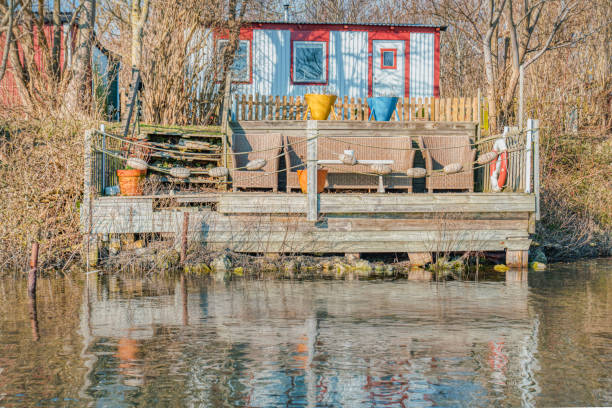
(381,186)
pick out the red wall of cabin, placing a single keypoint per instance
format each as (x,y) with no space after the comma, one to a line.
(9,95)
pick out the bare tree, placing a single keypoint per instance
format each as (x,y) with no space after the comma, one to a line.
(78,97)
(138,19)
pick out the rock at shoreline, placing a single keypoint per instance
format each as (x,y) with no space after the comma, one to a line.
(363,267)
(537,255)
(166,258)
(221,265)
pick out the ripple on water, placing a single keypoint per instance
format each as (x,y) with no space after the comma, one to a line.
(126,342)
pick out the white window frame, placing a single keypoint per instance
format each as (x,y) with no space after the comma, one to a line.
(248,59)
(310,44)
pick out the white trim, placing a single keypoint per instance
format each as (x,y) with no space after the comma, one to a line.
(311,44)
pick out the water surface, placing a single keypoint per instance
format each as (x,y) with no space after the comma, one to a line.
(119,342)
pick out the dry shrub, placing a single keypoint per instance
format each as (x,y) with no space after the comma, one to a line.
(41,179)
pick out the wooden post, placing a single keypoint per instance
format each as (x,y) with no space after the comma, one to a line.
(536,164)
(103,178)
(311,162)
(528,143)
(34,319)
(480,120)
(517,259)
(226,102)
(420,258)
(225,122)
(184,296)
(32,271)
(521,96)
(184,233)
(89,241)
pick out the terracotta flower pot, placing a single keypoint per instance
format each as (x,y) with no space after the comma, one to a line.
(320,105)
(321,179)
(130,181)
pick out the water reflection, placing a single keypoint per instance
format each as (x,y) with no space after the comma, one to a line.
(191,342)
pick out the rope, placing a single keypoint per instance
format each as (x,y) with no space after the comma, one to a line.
(175,151)
(433,173)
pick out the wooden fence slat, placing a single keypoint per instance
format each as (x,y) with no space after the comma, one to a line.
(256,107)
(461,113)
(468,109)
(298,108)
(283,113)
(359,112)
(250,112)
(475,109)
(277,107)
(243,107)
(435,107)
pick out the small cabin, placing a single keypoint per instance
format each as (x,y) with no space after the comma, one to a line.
(352,60)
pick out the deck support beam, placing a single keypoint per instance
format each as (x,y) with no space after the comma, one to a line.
(517,259)
(420,258)
(312,134)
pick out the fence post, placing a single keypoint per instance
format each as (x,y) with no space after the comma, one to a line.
(521,96)
(536,164)
(103,131)
(85,216)
(528,147)
(312,134)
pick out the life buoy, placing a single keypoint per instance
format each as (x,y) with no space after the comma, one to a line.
(499,167)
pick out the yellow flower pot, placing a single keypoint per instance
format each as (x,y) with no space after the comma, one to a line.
(320,105)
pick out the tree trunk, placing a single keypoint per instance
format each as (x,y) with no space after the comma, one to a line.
(78,96)
(491,80)
(7,40)
(138,20)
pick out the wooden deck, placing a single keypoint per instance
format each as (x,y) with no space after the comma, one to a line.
(347,223)
(267,222)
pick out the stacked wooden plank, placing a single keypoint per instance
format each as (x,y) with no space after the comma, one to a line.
(197,151)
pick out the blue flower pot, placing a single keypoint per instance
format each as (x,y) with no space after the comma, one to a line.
(382,107)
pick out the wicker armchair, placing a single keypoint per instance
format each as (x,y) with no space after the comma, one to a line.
(248,147)
(352,177)
(439,151)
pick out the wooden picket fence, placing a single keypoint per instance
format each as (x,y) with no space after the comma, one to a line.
(268,107)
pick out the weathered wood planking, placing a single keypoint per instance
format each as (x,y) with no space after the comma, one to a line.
(376,203)
(264,222)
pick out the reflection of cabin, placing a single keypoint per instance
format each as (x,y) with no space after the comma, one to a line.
(351,60)
(282,336)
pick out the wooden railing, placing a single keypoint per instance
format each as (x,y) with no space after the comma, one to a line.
(268,107)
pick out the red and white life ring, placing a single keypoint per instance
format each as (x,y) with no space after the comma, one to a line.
(499,167)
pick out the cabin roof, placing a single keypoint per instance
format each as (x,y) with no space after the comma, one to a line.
(294,23)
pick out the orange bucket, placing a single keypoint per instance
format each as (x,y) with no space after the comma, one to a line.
(321,178)
(131,181)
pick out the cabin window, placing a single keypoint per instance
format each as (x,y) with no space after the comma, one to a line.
(309,61)
(388,58)
(241,66)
